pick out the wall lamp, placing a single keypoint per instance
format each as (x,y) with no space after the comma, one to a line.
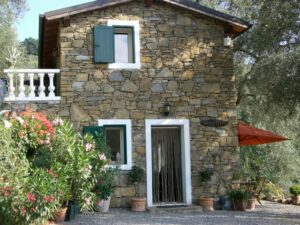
(227,41)
(167,108)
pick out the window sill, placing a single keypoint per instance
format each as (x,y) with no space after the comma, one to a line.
(121,167)
(124,66)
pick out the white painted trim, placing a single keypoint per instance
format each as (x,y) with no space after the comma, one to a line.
(137,45)
(31,71)
(186,160)
(128,126)
(34,99)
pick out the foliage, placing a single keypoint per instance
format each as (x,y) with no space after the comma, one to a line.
(13,163)
(84,159)
(42,171)
(295,190)
(272,192)
(38,197)
(237,194)
(104,186)
(10,12)
(206,175)
(33,129)
(136,175)
(25,60)
(31,46)
(268,161)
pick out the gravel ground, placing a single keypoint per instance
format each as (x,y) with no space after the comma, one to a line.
(267,214)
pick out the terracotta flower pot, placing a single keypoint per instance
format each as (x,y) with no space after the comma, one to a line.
(206,203)
(60,215)
(296,199)
(239,205)
(138,204)
(251,203)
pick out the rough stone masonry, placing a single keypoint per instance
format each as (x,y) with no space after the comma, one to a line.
(183,62)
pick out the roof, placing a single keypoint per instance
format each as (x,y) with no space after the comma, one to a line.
(86,7)
(49,22)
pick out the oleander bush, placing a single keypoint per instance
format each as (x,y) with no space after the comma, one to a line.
(43,165)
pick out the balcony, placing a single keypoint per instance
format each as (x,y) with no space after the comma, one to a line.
(31,85)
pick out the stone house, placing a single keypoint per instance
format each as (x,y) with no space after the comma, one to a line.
(157,77)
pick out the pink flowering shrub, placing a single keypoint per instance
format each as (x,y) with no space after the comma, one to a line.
(46,164)
(33,129)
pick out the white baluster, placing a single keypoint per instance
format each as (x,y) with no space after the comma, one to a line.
(11,88)
(42,86)
(21,87)
(51,85)
(31,87)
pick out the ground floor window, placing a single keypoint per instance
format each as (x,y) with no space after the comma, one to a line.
(117,135)
(119,138)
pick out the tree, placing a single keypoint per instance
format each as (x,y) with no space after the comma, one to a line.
(10,11)
(31,46)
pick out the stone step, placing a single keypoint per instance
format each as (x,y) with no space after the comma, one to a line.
(175,209)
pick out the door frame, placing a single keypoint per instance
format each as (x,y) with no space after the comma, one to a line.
(185,153)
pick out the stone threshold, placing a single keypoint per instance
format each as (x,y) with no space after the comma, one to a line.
(175,209)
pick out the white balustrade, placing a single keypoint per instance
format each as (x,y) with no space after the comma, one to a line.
(31,93)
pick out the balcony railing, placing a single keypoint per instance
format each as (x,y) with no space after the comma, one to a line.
(29,85)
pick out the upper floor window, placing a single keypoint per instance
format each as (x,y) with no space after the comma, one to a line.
(118,44)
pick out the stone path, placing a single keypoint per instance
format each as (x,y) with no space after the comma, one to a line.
(267,214)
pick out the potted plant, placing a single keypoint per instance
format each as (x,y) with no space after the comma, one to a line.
(206,202)
(138,203)
(239,199)
(295,191)
(251,202)
(104,188)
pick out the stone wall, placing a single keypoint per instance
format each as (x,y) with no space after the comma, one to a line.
(183,62)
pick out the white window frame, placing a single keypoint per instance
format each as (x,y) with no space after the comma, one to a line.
(137,47)
(128,126)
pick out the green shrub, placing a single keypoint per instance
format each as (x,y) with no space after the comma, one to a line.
(272,192)
(237,195)
(43,165)
(206,175)
(295,190)
(136,174)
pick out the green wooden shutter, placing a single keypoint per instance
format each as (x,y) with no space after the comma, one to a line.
(103,44)
(95,131)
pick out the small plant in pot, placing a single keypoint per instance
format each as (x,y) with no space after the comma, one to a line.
(206,202)
(251,202)
(104,188)
(239,199)
(138,203)
(295,191)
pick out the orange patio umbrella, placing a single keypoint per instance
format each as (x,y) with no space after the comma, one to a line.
(249,135)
